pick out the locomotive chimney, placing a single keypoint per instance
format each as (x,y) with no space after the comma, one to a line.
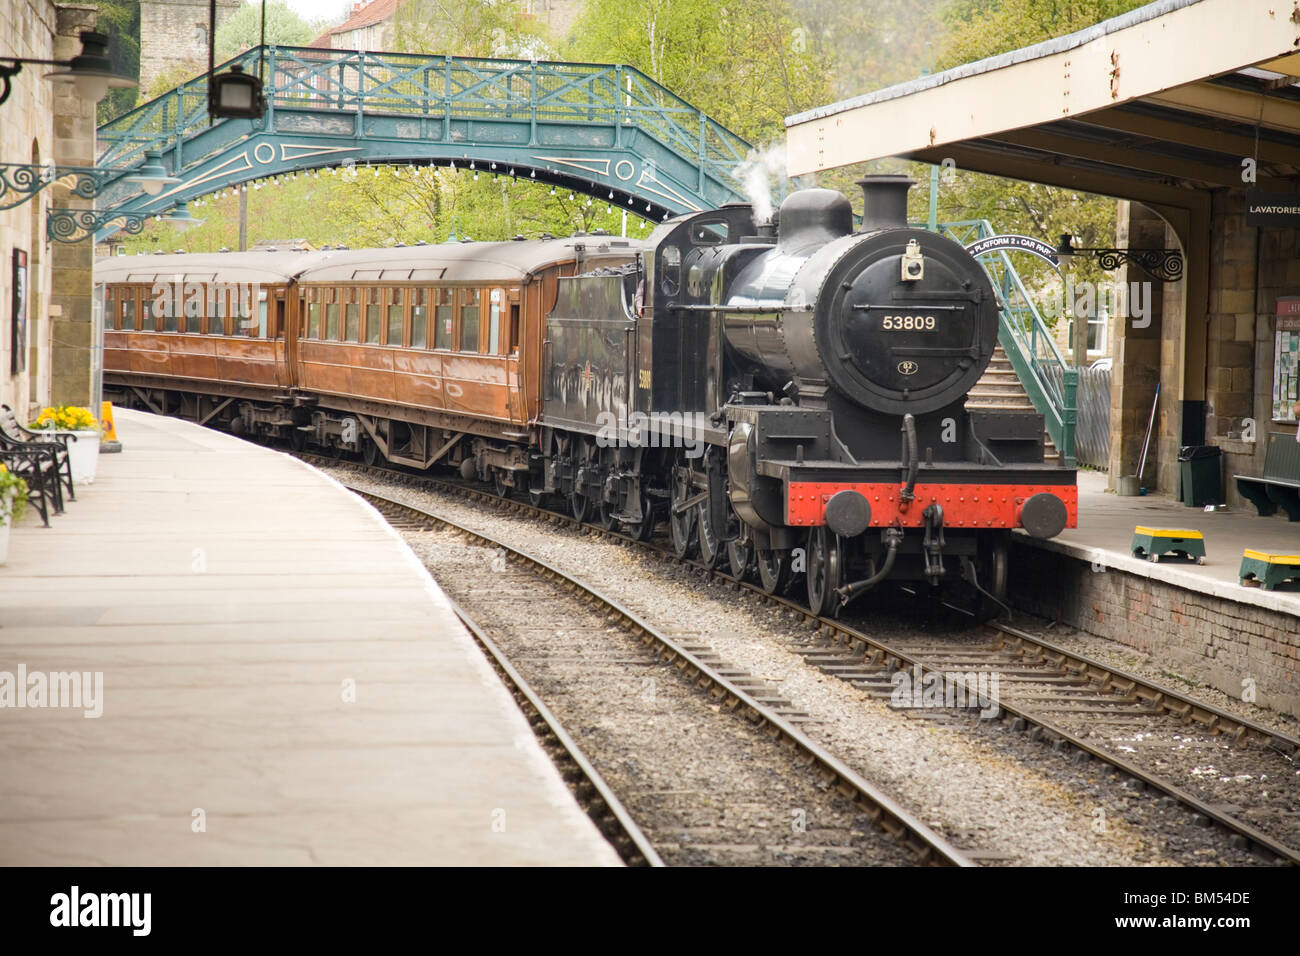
(884,203)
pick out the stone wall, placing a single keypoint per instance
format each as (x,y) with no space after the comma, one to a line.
(174,37)
(1136,353)
(27,29)
(1207,637)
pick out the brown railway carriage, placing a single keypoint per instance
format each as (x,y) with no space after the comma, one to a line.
(418,354)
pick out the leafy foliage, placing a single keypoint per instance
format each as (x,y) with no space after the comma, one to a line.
(242,30)
(119,20)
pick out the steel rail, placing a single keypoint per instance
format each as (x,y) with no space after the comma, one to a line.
(890,659)
(639,851)
(1157,696)
(925,844)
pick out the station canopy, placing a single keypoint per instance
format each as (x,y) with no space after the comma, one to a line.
(1159,105)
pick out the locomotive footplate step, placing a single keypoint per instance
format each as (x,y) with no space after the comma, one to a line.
(1267,569)
(1155,543)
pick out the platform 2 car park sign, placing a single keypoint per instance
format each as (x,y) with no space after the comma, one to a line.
(1014,243)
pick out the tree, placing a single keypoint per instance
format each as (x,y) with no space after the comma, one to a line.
(486,28)
(119,20)
(243,29)
(745,63)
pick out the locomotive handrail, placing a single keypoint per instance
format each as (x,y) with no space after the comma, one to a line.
(1048,379)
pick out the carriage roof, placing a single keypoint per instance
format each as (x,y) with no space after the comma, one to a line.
(446,262)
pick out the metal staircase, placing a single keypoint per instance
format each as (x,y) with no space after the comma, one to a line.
(1028,370)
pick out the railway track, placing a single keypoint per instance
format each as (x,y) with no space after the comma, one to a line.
(1229,772)
(505,594)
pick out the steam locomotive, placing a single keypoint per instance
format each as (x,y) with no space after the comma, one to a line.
(793,396)
(787,397)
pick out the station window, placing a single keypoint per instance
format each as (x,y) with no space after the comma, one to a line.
(419,320)
(332,315)
(313,314)
(396,317)
(374,314)
(496,302)
(469,316)
(352,317)
(443,318)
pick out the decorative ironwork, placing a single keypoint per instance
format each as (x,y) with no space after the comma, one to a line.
(74,225)
(591,128)
(1165,265)
(19,182)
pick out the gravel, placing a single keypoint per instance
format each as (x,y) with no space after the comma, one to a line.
(1003,798)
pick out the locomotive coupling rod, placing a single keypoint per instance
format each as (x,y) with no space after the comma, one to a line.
(893,538)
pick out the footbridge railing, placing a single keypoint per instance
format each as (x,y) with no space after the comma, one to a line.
(605,130)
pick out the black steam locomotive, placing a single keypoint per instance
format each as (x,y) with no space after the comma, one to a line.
(790,397)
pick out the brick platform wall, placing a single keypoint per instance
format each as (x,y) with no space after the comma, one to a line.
(1220,642)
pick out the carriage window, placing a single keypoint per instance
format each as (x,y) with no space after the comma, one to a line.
(514,326)
(469,320)
(262,304)
(419,320)
(443,317)
(218,311)
(313,317)
(351,316)
(396,316)
(166,309)
(146,312)
(496,299)
(374,315)
(332,315)
(127,306)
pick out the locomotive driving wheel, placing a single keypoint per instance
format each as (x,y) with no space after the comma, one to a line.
(643,529)
(585,460)
(825,567)
(681,521)
(773,569)
(740,549)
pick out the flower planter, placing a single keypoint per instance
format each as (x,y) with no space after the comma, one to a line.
(84,453)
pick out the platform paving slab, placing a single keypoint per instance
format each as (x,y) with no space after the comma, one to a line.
(1105,534)
(226,591)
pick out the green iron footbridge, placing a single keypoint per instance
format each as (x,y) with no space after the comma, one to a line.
(607,131)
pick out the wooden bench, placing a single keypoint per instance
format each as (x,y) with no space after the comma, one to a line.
(1280,483)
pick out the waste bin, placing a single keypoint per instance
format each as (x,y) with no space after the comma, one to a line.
(1199,473)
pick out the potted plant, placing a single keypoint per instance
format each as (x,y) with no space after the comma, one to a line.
(13,502)
(84,451)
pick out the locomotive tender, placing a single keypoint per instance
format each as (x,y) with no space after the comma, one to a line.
(788,397)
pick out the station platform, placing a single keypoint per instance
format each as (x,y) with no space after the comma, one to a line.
(1242,640)
(282,681)
(1105,533)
